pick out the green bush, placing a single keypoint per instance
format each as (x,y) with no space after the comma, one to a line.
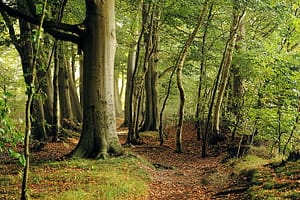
(10,136)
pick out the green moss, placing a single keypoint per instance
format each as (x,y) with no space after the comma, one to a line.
(293,196)
(114,178)
(268,185)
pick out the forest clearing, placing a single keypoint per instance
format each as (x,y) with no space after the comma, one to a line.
(152,172)
(149,99)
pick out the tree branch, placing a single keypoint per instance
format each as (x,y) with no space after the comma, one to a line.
(58,30)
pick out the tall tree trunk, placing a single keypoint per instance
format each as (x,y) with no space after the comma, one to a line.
(81,80)
(76,106)
(26,50)
(45,84)
(64,87)
(30,96)
(99,135)
(118,102)
(133,54)
(74,98)
(200,104)
(225,66)
(133,92)
(179,67)
(150,64)
(129,86)
(238,90)
(55,123)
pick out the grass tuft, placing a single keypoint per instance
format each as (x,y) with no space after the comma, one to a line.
(114,178)
(270,178)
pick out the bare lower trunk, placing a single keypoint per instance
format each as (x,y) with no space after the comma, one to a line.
(99,137)
(225,67)
(200,107)
(118,103)
(130,69)
(64,87)
(179,66)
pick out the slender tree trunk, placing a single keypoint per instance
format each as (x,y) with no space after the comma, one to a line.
(225,66)
(45,84)
(24,193)
(132,131)
(74,98)
(238,90)
(161,131)
(81,80)
(179,67)
(199,106)
(150,64)
(64,87)
(118,102)
(279,113)
(133,54)
(30,93)
(293,129)
(55,123)
(76,106)
(129,86)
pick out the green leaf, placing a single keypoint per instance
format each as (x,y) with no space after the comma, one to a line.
(22,160)
(2,131)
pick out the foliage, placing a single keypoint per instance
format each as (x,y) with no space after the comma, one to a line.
(75,12)
(268,63)
(273,178)
(10,136)
(10,105)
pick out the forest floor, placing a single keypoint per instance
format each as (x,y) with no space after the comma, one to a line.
(187,175)
(172,175)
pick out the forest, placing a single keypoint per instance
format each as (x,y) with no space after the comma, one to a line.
(149,99)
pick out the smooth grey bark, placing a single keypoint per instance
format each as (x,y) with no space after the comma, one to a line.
(225,67)
(96,38)
(99,137)
(118,103)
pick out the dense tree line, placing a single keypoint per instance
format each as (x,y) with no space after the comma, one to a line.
(230,67)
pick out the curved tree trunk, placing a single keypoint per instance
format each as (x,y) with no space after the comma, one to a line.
(99,135)
(226,64)
(179,67)
(133,136)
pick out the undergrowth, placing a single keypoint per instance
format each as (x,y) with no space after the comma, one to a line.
(270,179)
(114,178)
